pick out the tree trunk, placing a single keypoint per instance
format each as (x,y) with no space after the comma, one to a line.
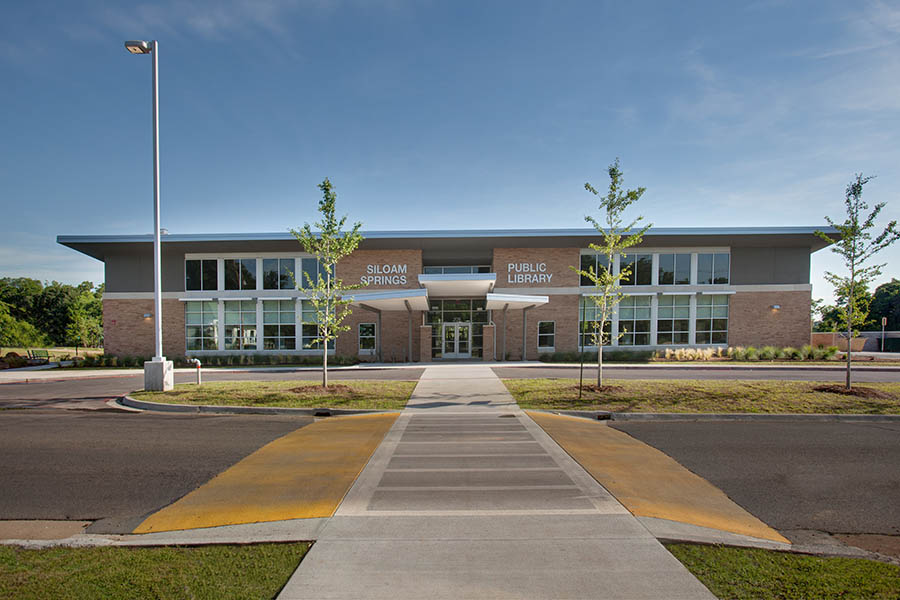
(849,350)
(600,363)
(325,365)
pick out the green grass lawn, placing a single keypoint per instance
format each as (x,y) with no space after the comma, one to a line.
(703,396)
(745,574)
(214,572)
(386,395)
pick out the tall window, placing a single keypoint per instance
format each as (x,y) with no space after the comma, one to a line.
(240,324)
(712,319)
(200,275)
(240,273)
(674,269)
(201,325)
(595,261)
(713,268)
(277,273)
(457,311)
(309,328)
(367,338)
(311,268)
(279,325)
(546,336)
(434,270)
(589,323)
(634,321)
(673,320)
(641,269)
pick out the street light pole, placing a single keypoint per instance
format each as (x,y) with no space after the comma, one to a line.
(158,372)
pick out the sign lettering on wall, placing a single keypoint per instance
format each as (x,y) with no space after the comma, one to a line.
(384,275)
(527,273)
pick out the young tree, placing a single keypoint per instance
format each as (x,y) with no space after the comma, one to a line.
(856,246)
(617,238)
(326,291)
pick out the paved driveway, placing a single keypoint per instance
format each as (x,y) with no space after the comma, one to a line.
(834,477)
(117,466)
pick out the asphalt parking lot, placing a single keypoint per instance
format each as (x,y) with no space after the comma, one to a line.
(803,475)
(117,467)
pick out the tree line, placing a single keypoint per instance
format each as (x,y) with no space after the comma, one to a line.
(35,314)
(884,302)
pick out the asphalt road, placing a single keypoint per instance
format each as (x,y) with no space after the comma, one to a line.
(648,372)
(117,467)
(833,477)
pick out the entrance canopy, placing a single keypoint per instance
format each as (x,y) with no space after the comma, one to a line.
(391,300)
(461,285)
(514,301)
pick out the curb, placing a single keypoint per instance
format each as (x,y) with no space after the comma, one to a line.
(700,365)
(599,415)
(245,410)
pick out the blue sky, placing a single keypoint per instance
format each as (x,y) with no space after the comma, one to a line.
(433,115)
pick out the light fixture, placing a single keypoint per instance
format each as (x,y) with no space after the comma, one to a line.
(148,315)
(137,47)
(775,307)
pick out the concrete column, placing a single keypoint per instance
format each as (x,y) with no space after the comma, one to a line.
(488,343)
(425,343)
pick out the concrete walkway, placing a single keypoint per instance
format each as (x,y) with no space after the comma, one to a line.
(467,497)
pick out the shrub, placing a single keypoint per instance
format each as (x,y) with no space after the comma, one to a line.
(751,353)
(767,353)
(806,352)
(14,360)
(818,352)
(830,352)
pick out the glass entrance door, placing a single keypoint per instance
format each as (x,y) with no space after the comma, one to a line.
(457,340)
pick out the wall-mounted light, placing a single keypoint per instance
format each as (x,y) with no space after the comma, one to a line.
(775,307)
(148,315)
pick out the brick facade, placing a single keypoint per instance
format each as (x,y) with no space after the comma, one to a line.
(556,260)
(562,309)
(127,333)
(752,321)
(355,267)
(395,340)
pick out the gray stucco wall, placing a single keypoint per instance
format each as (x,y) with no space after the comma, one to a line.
(757,266)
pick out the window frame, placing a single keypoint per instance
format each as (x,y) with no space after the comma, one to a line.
(711,331)
(551,335)
(204,264)
(360,337)
(673,332)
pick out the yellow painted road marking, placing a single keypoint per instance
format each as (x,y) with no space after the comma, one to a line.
(646,481)
(304,474)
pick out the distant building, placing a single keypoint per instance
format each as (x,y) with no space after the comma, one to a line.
(434,295)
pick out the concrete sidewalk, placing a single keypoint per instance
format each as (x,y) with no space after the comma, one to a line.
(467,497)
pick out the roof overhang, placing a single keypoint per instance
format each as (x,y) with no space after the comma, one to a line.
(391,300)
(458,285)
(514,301)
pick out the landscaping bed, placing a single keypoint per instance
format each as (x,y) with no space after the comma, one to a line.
(384,395)
(745,574)
(702,396)
(214,572)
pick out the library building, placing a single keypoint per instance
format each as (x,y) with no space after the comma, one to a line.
(479,295)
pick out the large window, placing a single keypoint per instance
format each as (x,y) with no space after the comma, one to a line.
(312,269)
(309,328)
(456,270)
(240,273)
(640,269)
(674,269)
(200,275)
(279,325)
(546,336)
(594,262)
(713,268)
(278,273)
(712,319)
(201,325)
(673,320)
(634,321)
(240,324)
(367,338)
(589,324)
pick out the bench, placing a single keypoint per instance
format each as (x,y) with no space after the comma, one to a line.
(38,357)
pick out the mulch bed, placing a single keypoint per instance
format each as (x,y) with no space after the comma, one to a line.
(859,392)
(332,389)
